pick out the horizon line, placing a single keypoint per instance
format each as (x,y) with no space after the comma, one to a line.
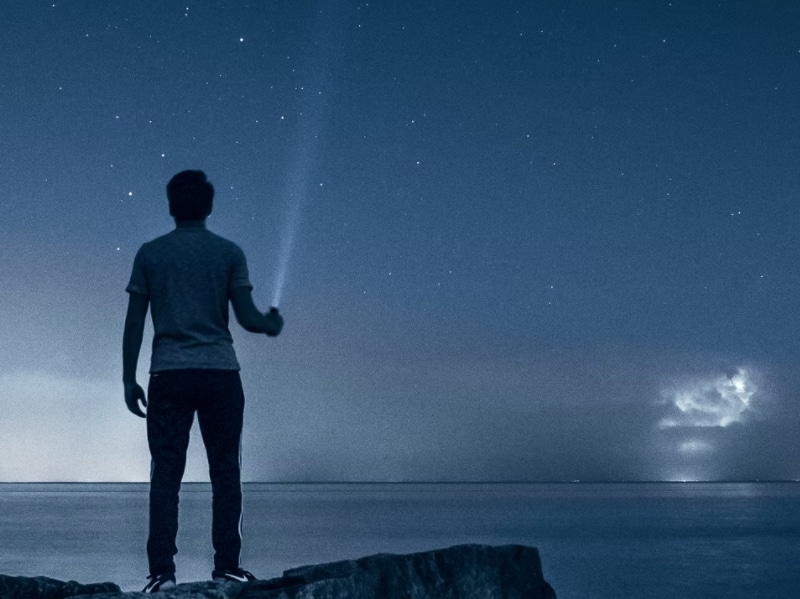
(424,482)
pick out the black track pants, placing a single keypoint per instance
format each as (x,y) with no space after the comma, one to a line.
(173,398)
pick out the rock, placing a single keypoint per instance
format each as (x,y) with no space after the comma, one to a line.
(19,587)
(463,571)
(187,590)
(511,571)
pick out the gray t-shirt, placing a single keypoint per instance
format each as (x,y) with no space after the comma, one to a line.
(188,275)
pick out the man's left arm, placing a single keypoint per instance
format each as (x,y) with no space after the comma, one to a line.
(131,345)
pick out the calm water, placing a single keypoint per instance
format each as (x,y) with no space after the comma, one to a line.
(684,540)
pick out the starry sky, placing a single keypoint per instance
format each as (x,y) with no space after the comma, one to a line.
(512,240)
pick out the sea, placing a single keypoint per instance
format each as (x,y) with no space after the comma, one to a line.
(596,540)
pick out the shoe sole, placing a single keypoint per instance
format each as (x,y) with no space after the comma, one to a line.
(164,586)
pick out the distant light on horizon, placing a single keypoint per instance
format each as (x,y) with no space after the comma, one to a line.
(695,446)
(55,420)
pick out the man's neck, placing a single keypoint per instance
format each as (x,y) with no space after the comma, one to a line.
(190,224)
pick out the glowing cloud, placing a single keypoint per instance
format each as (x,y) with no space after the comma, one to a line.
(715,401)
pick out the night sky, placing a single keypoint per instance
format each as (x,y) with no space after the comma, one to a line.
(525,240)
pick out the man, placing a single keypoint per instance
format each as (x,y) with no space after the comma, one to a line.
(187,277)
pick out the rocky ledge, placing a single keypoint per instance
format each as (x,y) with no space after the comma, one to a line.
(468,571)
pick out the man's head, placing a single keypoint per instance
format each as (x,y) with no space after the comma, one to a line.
(190,196)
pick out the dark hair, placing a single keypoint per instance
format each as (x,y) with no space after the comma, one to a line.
(190,195)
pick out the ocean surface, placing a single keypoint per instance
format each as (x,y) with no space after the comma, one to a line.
(637,540)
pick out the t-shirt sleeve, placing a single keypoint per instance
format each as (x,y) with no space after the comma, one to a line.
(239,274)
(138,281)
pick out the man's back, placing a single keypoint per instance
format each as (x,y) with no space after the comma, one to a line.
(188,275)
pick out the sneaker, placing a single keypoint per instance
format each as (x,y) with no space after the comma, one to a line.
(237,575)
(159,582)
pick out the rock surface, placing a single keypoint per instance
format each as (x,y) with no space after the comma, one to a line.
(463,571)
(18,587)
(511,571)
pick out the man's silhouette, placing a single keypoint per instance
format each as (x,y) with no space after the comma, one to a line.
(187,277)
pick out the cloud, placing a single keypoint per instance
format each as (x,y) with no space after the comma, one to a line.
(714,401)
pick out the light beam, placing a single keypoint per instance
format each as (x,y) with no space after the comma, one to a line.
(311,119)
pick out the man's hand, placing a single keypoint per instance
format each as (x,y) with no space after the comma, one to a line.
(133,395)
(274,322)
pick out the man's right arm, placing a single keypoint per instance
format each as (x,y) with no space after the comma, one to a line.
(249,316)
(131,344)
